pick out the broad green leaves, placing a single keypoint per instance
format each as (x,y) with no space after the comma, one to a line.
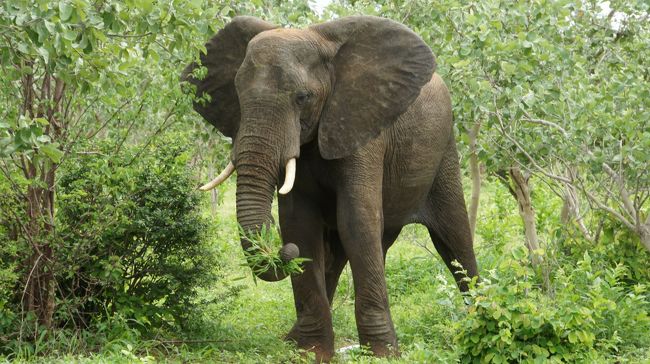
(65,10)
(26,136)
(509,321)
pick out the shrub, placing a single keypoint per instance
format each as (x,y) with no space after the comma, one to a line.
(511,320)
(132,237)
(616,246)
(9,256)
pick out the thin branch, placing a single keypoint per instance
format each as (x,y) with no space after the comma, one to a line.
(22,298)
(530,119)
(153,136)
(610,210)
(134,119)
(625,196)
(101,127)
(528,156)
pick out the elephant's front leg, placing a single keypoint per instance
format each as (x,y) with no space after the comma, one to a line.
(360,221)
(302,224)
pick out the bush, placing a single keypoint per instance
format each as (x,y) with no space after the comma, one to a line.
(616,245)
(590,316)
(9,256)
(133,241)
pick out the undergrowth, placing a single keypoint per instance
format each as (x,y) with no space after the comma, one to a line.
(595,311)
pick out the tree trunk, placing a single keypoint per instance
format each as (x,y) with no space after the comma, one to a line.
(475,173)
(521,191)
(38,295)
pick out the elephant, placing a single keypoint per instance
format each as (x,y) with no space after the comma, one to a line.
(350,122)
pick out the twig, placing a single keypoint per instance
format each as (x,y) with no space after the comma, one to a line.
(528,156)
(604,207)
(101,127)
(529,119)
(22,298)
(625,196)
(160,128)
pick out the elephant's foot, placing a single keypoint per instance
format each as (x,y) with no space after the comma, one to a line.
(376,332)
(382,349)
(319,342)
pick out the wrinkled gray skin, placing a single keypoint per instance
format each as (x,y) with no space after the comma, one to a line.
(357,102)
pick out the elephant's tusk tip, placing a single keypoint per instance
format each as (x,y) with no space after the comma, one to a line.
(230,168)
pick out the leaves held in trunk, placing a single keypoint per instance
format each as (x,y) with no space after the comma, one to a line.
(263,256)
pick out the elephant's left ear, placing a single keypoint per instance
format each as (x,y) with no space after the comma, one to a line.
(225,53)
(380,67)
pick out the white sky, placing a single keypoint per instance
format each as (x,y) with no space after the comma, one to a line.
(319,5)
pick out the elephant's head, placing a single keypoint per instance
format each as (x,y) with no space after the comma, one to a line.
(272,90)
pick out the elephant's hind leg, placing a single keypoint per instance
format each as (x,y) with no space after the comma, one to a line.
(447,221)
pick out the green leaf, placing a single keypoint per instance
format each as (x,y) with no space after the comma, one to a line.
(573,338)
(69,34)
(519,253)
(65,10)
(52,152)
(44,139)
(508,68)
(45,54)
(42,121)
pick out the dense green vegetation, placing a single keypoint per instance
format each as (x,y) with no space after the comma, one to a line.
(109,254)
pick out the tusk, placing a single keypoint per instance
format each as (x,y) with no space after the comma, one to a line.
(289,177)
(219,179)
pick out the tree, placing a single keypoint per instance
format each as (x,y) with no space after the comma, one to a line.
(65,67)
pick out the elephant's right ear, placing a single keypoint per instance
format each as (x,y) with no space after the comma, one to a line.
(225,53)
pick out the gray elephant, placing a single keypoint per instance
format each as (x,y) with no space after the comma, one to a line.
(349,118)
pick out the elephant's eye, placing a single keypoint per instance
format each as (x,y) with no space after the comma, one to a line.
(302,97)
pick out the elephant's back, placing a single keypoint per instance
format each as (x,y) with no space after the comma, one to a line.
(415,146)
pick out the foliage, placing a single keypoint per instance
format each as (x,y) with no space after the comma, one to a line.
(132,237)
(616,246)
(72,71)
(131,242)
(591,314)
(8,273)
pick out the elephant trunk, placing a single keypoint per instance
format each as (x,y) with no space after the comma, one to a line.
(258,168)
